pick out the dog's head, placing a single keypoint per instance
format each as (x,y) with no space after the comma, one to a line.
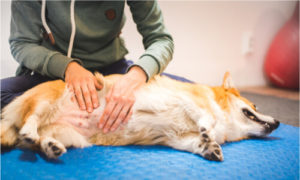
(246,121)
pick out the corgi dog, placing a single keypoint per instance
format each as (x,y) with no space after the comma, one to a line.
(185,116)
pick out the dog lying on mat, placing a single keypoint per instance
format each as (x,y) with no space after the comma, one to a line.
(184,116)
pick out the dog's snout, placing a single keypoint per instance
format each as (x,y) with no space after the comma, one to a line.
(275,125)
(269,127)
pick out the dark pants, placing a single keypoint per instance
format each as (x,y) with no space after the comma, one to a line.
(15,86)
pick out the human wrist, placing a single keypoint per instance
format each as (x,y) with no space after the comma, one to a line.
(137,71)
(71,66)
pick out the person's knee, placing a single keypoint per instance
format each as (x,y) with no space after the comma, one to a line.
(8,91)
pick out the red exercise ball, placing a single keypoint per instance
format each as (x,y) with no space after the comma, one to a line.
(282,60)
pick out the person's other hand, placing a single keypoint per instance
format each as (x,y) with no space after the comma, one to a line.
(83,83)
(121,98)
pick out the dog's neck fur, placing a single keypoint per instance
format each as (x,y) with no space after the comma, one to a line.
(226,125)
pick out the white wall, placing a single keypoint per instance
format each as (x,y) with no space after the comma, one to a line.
(209,38)
(8,64)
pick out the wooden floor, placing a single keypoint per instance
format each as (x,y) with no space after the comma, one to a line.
(272,91)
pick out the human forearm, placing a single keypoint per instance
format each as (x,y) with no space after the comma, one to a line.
(40,59)
(158,43)
(156,57)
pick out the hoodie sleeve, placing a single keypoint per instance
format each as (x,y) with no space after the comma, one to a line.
(158,43)
(26,38)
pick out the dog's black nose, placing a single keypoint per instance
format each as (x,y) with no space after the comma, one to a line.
(274,125)
(271,126)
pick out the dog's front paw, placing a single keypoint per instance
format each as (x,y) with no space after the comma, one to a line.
(213,152)
(52,148)
(210,149)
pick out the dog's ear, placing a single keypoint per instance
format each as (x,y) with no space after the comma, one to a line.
(99,78)
(227,81)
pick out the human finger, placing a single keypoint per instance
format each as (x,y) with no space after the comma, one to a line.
(129,115)
(94,94)
(79,96)
(71,90)
(108,96)
(108,108)
(106,113)
(131,102)
(121,117)
(87,97)
(112,117)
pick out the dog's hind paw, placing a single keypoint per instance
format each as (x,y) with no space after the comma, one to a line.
(52,148)
(29,138)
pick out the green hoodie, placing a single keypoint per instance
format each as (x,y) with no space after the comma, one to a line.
(97,42)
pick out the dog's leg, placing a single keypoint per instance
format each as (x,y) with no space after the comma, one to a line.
(208,147)
(56,137)
(202,145)
(28,133)
(65,134)
(8,131)
(201,117)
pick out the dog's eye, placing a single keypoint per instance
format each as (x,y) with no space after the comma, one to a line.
(249,114)
(255,107)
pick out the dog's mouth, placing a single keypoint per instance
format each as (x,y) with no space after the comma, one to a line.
(268,127)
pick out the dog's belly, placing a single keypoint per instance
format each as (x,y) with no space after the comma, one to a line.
(155,110)
(83,122)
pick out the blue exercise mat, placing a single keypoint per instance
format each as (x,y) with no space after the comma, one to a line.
(275,157)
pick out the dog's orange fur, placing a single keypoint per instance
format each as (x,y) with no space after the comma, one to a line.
(30,99)
(51,91)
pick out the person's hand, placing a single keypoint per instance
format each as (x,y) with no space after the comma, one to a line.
(83,83)
(121,98)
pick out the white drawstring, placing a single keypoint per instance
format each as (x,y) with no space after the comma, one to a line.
(43,16)
(72,7)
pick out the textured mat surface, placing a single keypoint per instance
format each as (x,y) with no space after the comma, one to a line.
(276,157)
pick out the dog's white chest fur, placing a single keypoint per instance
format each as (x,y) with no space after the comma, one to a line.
(155,109)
